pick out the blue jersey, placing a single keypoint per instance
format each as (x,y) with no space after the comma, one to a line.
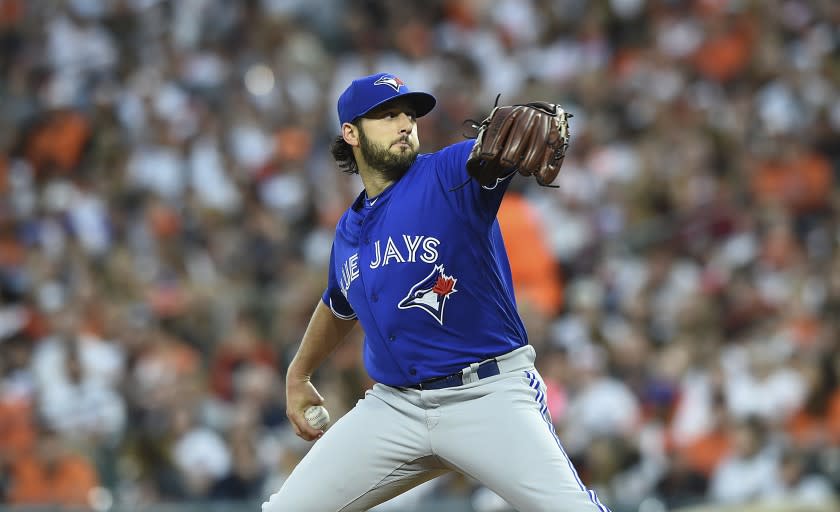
(425,271)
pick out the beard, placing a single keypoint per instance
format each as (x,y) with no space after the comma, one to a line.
(392,166)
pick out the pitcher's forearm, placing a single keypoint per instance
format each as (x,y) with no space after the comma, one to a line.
(323,334)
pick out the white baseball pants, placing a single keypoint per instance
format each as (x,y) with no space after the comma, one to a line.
(496,430)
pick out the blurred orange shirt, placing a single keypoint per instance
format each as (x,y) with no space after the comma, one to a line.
(12,252)
(723,56)
(536,275)
(705,453)
(59,141)
(17,432)
(803,184)
(807,429)
(11,12)
(68,482)
(292,144)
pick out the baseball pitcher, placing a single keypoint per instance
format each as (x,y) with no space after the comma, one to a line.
(419,260)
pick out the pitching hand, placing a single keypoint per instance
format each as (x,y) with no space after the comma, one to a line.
(301,394)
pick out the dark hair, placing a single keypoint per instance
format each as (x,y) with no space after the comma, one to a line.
(343,155)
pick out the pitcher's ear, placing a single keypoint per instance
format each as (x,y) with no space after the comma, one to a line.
(350,134)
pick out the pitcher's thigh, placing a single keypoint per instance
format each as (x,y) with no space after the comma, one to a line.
(506,441)
(368,456)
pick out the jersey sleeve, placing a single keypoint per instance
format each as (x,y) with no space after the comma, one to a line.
(333,297)
(479,203)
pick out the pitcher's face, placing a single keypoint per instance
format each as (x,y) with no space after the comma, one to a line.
(388,138)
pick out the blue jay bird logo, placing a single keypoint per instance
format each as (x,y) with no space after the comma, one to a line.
(391,81)
(431,293)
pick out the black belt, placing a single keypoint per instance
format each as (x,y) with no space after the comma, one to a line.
(485,369)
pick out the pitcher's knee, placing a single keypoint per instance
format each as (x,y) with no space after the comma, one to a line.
(272,505)
(285,500)
(282,502)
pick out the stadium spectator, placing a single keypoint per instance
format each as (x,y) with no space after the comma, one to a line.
(164,228)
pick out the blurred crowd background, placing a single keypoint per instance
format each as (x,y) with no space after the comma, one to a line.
(167,204)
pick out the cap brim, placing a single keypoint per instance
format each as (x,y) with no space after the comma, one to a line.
(422,102)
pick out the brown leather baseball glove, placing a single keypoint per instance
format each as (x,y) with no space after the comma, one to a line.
(531,139)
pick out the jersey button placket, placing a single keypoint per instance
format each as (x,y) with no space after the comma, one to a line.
(373,297)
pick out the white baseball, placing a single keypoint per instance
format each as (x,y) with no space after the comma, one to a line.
(317,417)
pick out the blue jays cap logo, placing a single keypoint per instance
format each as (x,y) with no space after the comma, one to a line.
(391,81)
(368,92)
(431,293)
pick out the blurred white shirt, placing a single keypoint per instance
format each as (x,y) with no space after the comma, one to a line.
(738,480)
(159,169)
(202,451)
(82,409)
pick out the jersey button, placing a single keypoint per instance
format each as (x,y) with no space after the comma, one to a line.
(391,337)
(374,297)
(367,241)
(413,371)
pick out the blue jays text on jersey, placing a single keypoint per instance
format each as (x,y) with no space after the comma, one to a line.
(424,269)
(392,253)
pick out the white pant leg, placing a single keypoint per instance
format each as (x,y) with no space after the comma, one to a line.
(498,431)
(373,453)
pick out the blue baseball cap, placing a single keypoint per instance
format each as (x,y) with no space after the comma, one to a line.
(366,93)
